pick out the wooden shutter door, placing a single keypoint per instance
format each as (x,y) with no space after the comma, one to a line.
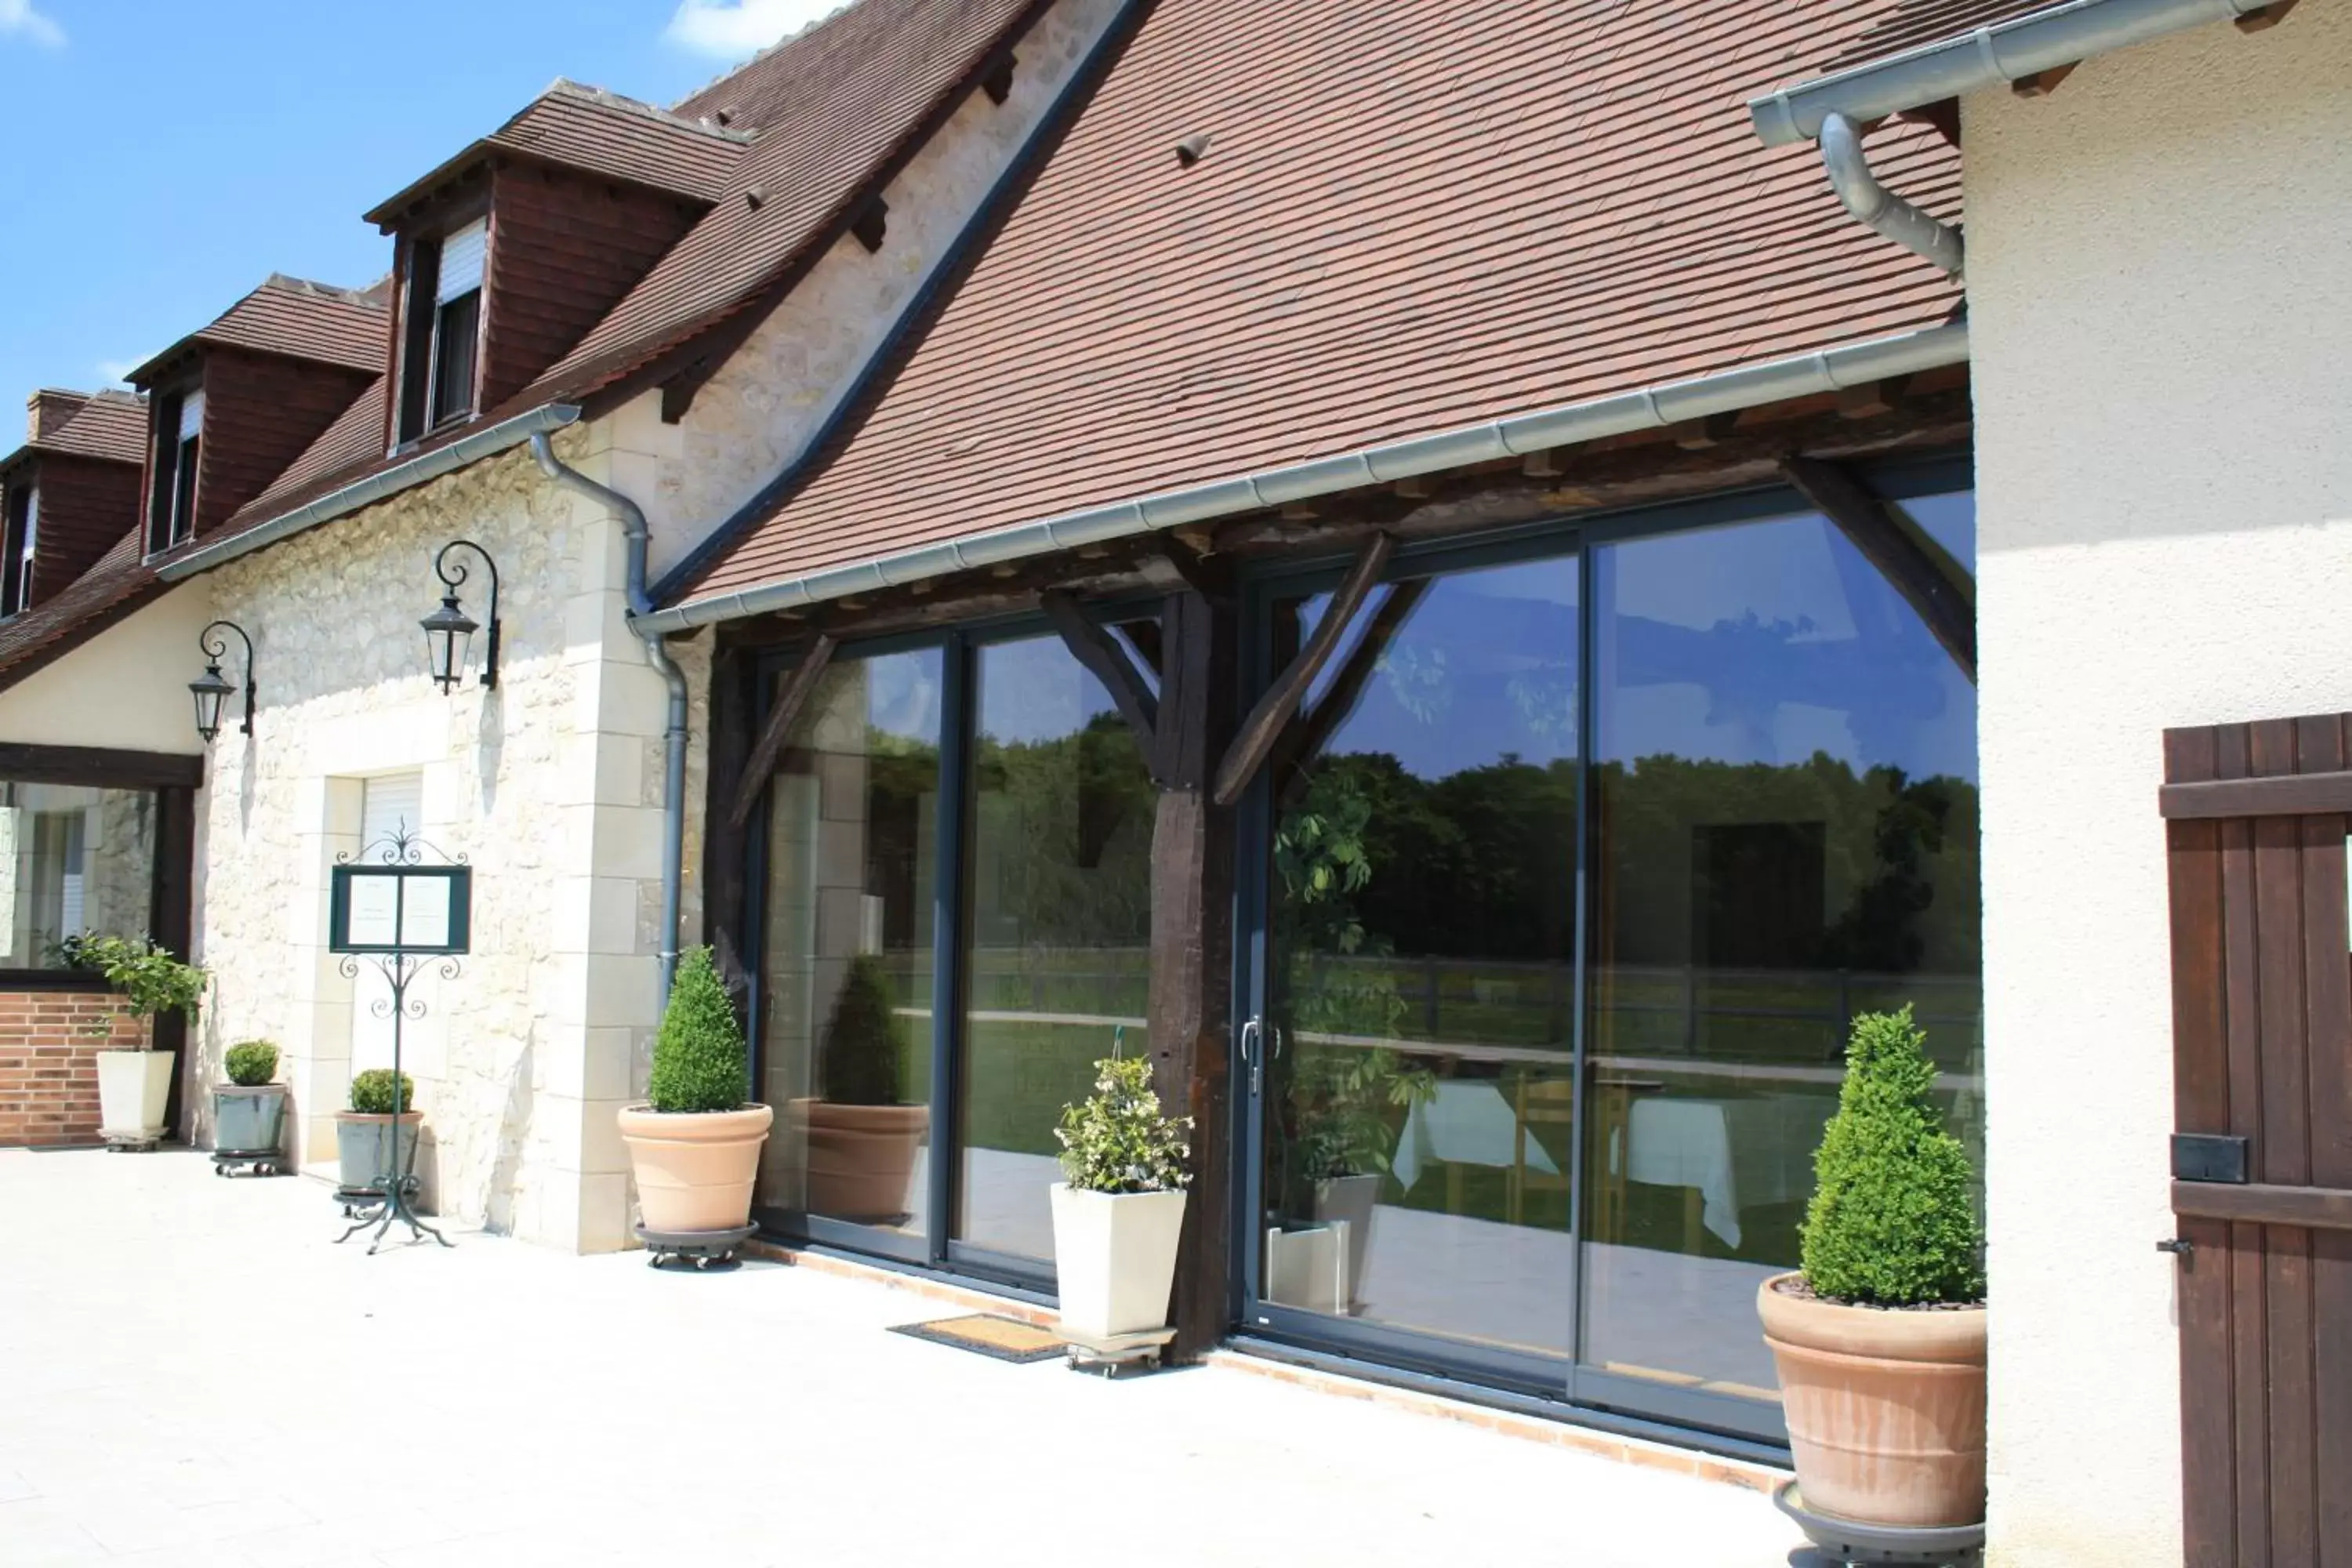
(2261,980)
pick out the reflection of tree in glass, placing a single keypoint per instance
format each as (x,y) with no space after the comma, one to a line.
(1075,835)
(1417,679)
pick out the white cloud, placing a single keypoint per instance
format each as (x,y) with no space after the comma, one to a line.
(18,18)
(729,29)
(112,370)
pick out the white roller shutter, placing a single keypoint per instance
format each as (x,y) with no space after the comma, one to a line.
(461,262)
(192,413)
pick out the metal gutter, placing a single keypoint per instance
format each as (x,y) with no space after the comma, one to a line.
(488,441)
(1671,403)
(1989,56)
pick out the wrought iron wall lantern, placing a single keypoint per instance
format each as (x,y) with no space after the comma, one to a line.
(211,688)
(449,631)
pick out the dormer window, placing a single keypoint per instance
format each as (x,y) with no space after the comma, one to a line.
(180,421)
(17,542)
(443,357)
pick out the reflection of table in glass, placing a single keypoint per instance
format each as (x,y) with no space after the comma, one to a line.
(1468,1123)
(1726,1154)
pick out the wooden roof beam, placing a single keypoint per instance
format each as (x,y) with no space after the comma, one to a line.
(1910,570)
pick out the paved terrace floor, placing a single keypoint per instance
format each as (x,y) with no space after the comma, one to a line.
(190,1374)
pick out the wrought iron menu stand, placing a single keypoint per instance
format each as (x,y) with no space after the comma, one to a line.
(392,907)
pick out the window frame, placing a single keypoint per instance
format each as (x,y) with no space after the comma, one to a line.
(421,408)
(176,469)
(19,539)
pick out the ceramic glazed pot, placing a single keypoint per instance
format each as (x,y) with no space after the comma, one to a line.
(363,1148)
(133,1088)
(859,1156)
(246,1120)
(1886,1408)
(1115,1256)
(695,1169)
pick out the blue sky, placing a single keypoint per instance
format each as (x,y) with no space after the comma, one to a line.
(164,156)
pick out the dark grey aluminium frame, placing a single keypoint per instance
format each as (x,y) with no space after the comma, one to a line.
(936,1249)
(1426,1358)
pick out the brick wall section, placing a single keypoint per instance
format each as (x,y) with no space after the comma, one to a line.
(48,1071)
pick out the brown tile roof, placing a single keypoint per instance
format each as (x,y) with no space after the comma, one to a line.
(294,317)
(1917,22)
(603,133)
(111,425)
(1409,219)
(354,442)
(116,586)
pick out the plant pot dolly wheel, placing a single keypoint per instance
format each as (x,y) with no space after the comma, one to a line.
(694,1146)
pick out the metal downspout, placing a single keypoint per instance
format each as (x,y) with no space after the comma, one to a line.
(634,531)
(1874,204)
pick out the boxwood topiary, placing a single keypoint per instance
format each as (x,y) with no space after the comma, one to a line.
(251,1063)
(860,1062)
(372,1093)
(700,1063)
(1891,1223)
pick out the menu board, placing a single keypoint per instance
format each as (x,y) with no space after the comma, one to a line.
(400,908)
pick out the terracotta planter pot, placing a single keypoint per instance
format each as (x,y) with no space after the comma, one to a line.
(695,1169)
(859,1156)
(1886,1408)
(1115,1258)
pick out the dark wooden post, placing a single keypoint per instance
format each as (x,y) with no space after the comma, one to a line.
(1191,1009)
(173,917)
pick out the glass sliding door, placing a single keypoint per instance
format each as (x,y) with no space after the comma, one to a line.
(850,912)
(1057,914)
(1419,1091)
(1783,833)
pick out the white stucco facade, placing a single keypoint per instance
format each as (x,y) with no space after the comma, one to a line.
(121,688)
(2161,293)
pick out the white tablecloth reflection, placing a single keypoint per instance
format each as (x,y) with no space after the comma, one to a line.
(1468,1123)
(1736,1153)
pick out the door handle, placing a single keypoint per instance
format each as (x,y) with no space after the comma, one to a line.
(1253,1038)
(2180,1246)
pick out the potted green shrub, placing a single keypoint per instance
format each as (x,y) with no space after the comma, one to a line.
(694,1144)
(249,1110)
(382,1107)
(1880,1338)
(1120,1207)
(860,1137)
(135,1084)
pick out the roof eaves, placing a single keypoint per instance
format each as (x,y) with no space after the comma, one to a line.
(1990,56)
(1725,392)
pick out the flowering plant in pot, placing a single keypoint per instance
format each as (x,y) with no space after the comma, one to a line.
(860,1138)
(249,1110)
(382,1110)
(694,1144)
(1118,1210)
(1880,1338)
(134,1083)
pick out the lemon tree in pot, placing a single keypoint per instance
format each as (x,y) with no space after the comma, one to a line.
(1879,1339)
(1118,1210)
(694,1144)
(134,1085)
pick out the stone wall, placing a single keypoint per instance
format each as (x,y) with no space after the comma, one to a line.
(48,1067)
(549,786)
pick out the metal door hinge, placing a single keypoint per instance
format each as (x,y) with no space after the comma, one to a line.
(2179,1246)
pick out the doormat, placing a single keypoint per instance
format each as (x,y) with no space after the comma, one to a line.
(1006,1339)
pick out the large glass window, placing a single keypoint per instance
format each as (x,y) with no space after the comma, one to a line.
(1785,834)
(852,870)
(73,861)
(1059,927)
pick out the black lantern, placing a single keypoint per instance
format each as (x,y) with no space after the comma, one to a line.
(211,688)
(449,631)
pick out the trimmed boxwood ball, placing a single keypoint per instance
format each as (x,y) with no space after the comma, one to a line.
(700,1063)
(859,1061)
(372,1093)
(251,1063)
(1891,1223)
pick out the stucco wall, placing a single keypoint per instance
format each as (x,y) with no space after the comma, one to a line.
(127,688)
(2161,294)
(550,786)
(754,416)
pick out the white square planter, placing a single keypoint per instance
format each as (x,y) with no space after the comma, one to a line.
(133,1088)
(1115,1254)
